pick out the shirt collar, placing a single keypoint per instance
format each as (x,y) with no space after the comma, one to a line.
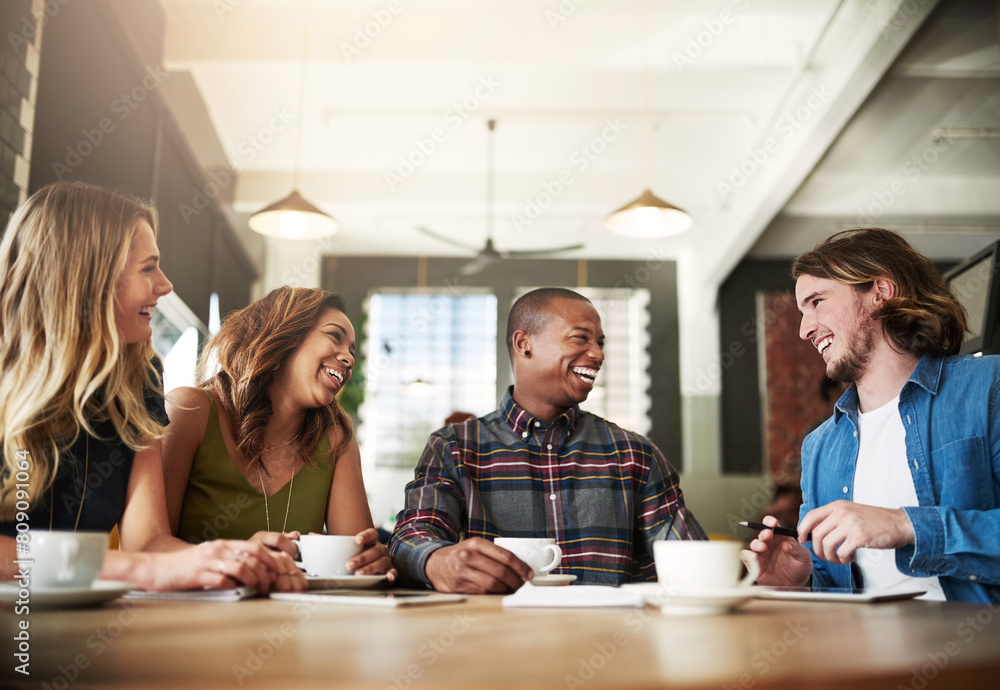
(927,375)
(521,421)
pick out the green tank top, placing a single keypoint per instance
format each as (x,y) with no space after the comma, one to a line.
(220,503)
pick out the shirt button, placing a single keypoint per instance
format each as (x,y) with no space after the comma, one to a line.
(524,434)
(537,424)
(855,434)
(845,489)
(972,577)
(548,447)
(552,497)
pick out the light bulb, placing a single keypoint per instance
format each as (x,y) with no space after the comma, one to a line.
(292,224)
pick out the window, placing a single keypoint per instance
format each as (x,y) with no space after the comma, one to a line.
(428,355)
(177,334)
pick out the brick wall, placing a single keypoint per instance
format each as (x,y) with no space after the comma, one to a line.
(794,376)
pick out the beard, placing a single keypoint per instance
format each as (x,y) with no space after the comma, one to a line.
(852,364)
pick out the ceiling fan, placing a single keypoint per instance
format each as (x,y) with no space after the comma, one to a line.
(488,253)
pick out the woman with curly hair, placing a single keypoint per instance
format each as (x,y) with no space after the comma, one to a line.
(81,403)
(263,450)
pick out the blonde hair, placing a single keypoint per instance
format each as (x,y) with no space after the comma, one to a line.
(63,365)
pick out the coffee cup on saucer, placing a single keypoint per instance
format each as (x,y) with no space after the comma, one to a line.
(65,560)
(701,566)
(541,555)
(326,555)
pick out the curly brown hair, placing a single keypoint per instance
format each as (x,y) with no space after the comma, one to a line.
(250,346)
(924,316)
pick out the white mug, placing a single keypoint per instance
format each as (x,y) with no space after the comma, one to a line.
(66,559)
(701,565)
(541,555)
(326,555)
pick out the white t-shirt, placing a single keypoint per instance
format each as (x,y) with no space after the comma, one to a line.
(882,478)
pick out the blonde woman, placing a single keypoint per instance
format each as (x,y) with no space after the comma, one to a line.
(263,450)
(81,405)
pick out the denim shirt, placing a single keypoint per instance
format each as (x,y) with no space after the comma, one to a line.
(949,411)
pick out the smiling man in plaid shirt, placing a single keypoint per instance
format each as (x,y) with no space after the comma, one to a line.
(540,467)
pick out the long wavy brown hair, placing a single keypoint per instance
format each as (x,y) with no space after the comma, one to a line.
(63,366)
(250,346)
(924,317)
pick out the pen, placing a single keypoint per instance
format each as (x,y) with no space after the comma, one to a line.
(782,531)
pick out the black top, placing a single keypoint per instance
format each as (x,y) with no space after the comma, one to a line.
(107,477)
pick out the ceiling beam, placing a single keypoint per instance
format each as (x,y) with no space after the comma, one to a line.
(857,48)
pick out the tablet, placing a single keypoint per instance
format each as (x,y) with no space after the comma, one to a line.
(833,594)
(343,597)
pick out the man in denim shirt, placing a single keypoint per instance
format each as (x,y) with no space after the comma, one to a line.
(901,486)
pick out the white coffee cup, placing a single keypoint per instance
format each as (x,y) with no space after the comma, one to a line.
(541,555)
(682,565)
(326,555)
(65,559)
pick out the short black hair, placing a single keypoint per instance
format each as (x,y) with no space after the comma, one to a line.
(528,313)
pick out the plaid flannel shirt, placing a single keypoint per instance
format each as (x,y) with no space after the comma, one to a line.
(603,493)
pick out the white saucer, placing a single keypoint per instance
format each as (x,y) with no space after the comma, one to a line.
(344,581)
(694,602)
(552,580)
(66,597)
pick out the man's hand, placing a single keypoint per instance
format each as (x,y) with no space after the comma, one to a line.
(783,561)
(842,527)
(476,566)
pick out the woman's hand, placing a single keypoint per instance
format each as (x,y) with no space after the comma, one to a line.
(223,564)
(291,578)
(374,557)
(286,542)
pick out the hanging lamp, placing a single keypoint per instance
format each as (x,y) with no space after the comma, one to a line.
(647,216)
(294,218)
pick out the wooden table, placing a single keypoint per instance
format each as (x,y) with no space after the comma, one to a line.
(260,643)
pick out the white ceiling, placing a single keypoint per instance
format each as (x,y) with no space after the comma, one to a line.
(554,74)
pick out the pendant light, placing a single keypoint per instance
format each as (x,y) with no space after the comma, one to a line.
(648,215)
(294,218)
